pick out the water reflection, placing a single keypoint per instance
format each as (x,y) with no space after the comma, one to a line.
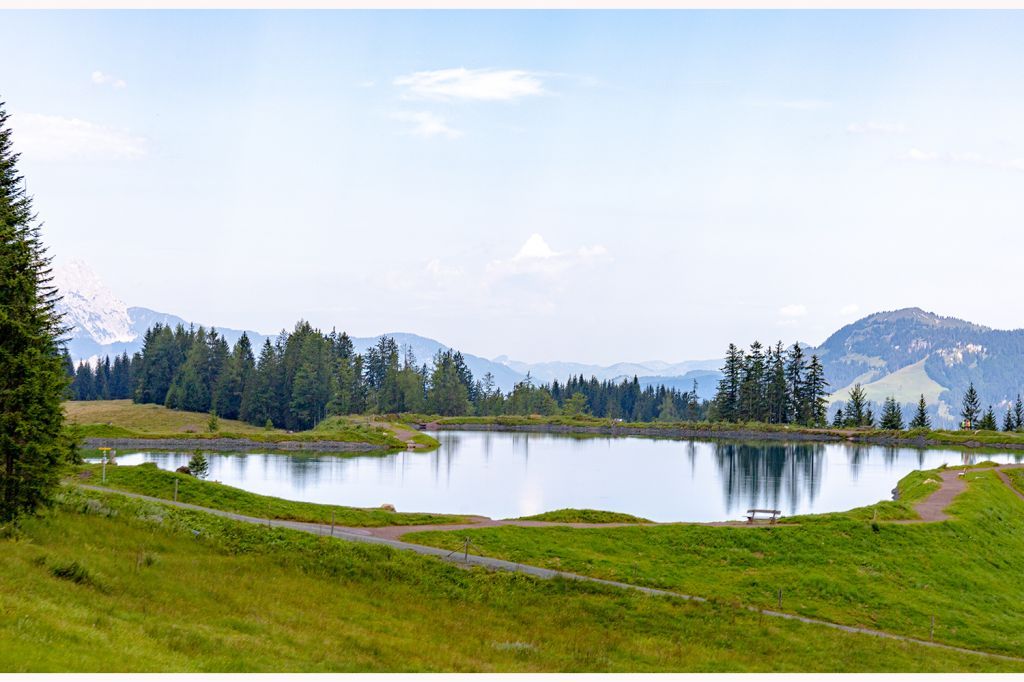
(769,476)
(515,474)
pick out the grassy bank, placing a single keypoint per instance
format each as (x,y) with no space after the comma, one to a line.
(147,479)
(585,516)
(125,419)
(106,583)
(852,568)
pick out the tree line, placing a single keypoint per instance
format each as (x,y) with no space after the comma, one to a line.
(773,386)
(305,375)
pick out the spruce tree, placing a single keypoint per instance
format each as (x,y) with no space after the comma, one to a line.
(795,367)
(839,421)
(1018,414)
(856,407)
(921,420)
(728,395)
(32,372)
(988,421)
(1008,423)
(971,408)
(815,397)
(892,415)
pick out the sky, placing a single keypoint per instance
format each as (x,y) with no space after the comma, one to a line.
(595,186)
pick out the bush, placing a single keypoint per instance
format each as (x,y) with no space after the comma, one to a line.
(73,571)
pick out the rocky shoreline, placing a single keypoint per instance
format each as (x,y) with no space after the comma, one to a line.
(229,444)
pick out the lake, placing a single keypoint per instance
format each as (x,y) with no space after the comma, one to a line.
(505,475)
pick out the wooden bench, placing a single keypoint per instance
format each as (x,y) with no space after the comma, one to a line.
(772,513)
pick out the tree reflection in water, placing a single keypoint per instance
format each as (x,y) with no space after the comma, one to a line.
(769,476)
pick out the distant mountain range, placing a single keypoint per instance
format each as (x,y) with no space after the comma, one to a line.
(902,353)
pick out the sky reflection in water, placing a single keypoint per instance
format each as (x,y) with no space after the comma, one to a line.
(505,475)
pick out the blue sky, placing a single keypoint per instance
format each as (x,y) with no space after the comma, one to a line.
(594,186)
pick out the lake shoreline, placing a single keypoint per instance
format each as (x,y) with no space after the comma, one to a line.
(721,434)
(231,444)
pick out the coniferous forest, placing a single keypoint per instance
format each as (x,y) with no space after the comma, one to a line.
(306,375)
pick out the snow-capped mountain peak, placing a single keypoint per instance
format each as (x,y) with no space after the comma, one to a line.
(90,308)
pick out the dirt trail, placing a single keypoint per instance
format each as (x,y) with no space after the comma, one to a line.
(954,482)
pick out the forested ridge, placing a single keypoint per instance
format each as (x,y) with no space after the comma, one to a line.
(305,376)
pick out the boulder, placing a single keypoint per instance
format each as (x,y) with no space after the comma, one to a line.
(388,507)
(183,470)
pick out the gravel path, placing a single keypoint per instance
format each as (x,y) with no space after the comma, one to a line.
(467,559)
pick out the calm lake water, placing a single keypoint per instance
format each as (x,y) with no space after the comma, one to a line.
(504,475)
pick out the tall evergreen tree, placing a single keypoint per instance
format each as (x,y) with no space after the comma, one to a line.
(1008,423)
(892,415)
(815,394)
(921,420)
(857,407)
(1018,414)
(971,408)
(33,378)
(988,421)
(753,405)
(795,368)
(728,396)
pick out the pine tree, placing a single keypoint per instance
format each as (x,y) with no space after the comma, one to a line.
(921,420)
(839,421)
(971,408)
(795,368)
(856,407)
(32,373)
(1018,414)
(815,394)
(892,415)
(1008,423)
(728,395)
(988,421)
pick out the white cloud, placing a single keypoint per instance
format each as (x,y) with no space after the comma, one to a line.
(849,309)
(470,84)
(427,124)
(100,78)
(876,127)
(793,310)
(536,257)
(916,154)
(55,138)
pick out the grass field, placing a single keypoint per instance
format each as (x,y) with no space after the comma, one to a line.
(848,568)
(147,479)
(125,419)
(112,584)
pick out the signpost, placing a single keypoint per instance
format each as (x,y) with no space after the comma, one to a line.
(106,454)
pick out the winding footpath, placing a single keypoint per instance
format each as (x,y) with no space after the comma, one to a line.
(930,510)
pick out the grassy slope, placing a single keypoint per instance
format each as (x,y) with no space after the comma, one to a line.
(241,597)
(906,385)
(585,516)
(147,479)
(837,566)
(125,419)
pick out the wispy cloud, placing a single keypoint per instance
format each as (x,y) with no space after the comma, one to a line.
(793,310)
(796,104)
(56,138)
(470,84)
(100,78)
(965,159)
(878,127)
(427,124)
